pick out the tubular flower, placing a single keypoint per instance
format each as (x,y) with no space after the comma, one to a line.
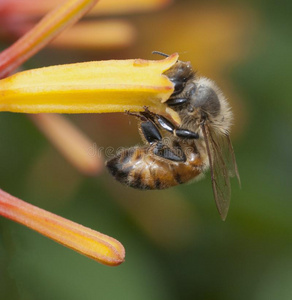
(106,86)
(91,87)
(82,88)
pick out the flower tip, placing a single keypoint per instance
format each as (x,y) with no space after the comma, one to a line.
(114,256)
(172,58)
(174,55)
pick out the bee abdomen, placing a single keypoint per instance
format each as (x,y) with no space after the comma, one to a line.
(117,165)
(126,168)
(134,167)
(130,168)
(137,168)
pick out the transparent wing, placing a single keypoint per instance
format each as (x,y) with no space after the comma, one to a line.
(222,167)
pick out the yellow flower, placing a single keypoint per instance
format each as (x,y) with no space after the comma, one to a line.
(105,86)
(90,87)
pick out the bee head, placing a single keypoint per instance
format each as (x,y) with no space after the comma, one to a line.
(179,75)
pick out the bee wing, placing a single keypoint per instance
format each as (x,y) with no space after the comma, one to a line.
(222,167)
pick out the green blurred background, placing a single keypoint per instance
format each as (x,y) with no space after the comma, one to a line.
(176,245)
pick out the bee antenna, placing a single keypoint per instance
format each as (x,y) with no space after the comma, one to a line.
(160,53)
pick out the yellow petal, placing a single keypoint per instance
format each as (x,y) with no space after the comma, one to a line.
(86,241)
(91,87)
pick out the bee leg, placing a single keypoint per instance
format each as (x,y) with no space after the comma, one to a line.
(168,126)
(175,154)
(176,101)
(147,127)
(179,132)
(150,132)
(137,115)
(186,134)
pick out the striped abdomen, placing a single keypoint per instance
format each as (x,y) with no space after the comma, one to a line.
(139,168)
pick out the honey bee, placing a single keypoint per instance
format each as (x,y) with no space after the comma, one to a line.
(183,152)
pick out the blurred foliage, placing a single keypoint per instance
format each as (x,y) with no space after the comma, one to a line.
(180,249)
